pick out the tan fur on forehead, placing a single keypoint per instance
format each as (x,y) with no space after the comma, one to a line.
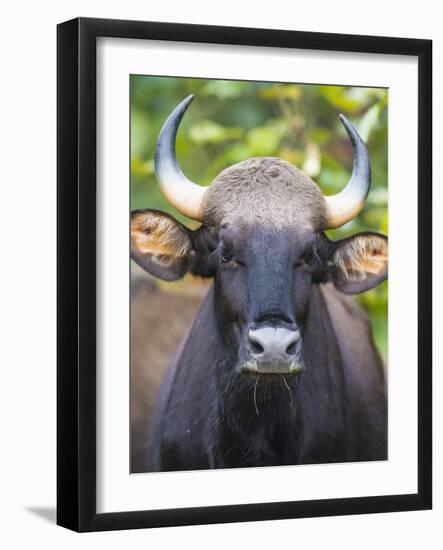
(268,191)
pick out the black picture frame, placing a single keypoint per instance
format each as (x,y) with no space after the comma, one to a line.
(76,264)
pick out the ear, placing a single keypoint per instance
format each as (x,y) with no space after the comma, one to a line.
(160,244)
(359,263)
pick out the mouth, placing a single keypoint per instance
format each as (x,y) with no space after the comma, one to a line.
(254,367)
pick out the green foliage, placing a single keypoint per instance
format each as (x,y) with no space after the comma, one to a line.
(231,121)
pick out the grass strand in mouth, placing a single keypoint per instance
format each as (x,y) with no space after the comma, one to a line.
(255,395)
(289,390)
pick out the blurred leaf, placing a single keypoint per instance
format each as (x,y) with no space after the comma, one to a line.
(140,132)
(320,136)
(264,140)
(142,169)
(378,197)
(312,165)
(224,89)
(333,177)
(291,155)
(384,223)
(282,91)
(369,122)
(340,98)
(373,217)
(233,154)
(208,131)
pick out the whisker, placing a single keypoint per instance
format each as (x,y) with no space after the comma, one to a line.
(255,395)
(289,390)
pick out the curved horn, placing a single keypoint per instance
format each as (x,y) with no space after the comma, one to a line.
(345,205)
(183,194)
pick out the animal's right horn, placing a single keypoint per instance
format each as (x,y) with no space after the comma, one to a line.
(186,196)
(345,205)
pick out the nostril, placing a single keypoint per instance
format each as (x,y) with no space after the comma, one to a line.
(256,347)
(291,342)
(255,342)
(290,350)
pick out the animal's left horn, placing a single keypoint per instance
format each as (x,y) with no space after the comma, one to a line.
(186,196)
(345,205)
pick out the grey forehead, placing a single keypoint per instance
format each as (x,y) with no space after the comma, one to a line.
(268,191)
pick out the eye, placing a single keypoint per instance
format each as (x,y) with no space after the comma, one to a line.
(309,259)
(226,256)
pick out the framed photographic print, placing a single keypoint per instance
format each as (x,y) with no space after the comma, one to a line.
(230,346)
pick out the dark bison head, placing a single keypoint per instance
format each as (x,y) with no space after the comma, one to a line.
(263,240)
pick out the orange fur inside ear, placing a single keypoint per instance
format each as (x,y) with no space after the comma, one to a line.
(362,257)
(158,236)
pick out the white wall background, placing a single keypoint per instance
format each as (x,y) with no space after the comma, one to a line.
(27,290)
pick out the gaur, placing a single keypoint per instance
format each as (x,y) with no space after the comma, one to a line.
(279,366)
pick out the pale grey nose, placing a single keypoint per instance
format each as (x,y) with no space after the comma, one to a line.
(273,343)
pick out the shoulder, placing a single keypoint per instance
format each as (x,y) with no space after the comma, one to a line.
(353,330)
